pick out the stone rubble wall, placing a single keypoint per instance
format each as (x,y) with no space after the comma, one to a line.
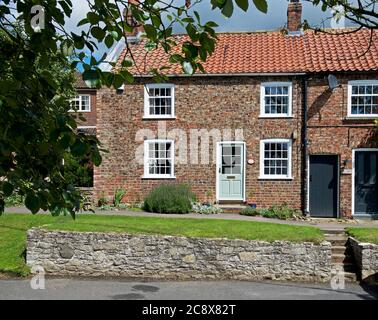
(166,257)
(366,257)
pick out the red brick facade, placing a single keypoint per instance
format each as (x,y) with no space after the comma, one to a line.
(200,103)
(234,103)
(331,132)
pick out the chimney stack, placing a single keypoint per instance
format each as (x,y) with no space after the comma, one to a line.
(137,28)
(294,16)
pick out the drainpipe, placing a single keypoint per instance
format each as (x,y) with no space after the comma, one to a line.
(305,149)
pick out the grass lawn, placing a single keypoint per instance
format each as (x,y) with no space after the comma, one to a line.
(13,229)
(364,234)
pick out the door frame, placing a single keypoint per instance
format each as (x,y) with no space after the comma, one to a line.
(338,181)
(218,159)
(354,176)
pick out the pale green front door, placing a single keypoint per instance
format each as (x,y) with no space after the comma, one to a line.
(231,171)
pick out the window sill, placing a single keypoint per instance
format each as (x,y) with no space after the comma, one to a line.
(158,178)
(159,118)
(375,117)
(275,117)
(275,178)
(78,111)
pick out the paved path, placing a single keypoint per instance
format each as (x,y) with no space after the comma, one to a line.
(321,223)
(224,290)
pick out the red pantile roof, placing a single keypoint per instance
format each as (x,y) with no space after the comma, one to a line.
(274,52)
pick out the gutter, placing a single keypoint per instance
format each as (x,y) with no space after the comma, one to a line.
(246,74)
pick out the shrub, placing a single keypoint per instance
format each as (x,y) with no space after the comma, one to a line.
(102,201)
(78,172)
(248,211)
(280,212)
(118,196)
(14,200)
(205,208)
(170,199)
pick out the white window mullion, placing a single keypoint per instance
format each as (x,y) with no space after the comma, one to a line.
(159,158)
(274,98)
(272,152)
(363,99)
(159,101)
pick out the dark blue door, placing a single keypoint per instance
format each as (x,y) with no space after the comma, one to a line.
(365,182)
(324,185)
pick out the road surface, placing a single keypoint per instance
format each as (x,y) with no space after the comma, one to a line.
(114,289)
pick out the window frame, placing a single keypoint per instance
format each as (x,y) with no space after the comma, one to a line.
(289,113)
(287,176)
(350,85)
(147,174)
(147,114)
(80,102)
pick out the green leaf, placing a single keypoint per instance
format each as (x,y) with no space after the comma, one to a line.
(82,22)
(96,158)
(118,81)
(150,31)
(261,5)
(109,41)
(242,4)
(8,189)
(79,148)
(192,32)
(92,78)
(127,76)
(2,206)
(93,18)
(98,33)
(228,8)
(32,203)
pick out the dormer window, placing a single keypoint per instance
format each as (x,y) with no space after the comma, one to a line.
(159,101)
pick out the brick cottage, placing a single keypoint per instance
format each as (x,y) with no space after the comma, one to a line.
(278,118)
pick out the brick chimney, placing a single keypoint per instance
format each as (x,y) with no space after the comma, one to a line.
(137,28)
(294,16)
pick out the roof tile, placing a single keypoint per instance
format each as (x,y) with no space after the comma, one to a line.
(273,52)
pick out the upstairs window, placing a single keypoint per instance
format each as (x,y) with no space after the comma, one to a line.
(363,99)
(81,103)
(159,159)
(159,101)
(276,99)
(275,159)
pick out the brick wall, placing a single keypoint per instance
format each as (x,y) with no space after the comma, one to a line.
(229,102)
(330,132)
(208,103)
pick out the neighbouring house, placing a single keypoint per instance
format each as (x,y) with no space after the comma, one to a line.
(80,173)
(278,118)
(85,105)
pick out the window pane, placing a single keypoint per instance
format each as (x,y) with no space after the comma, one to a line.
(276,100)
(275,158)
